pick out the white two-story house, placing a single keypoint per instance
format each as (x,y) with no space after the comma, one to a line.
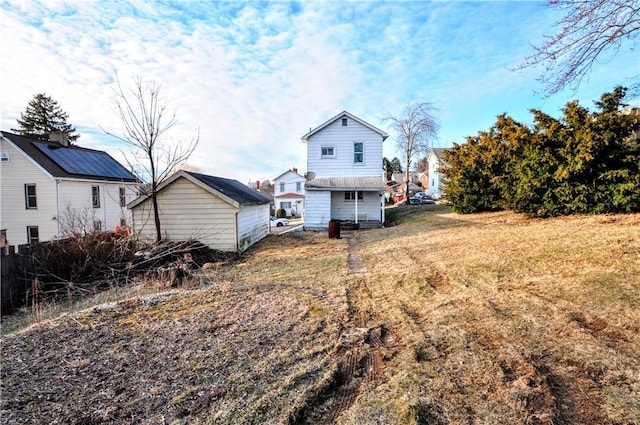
(345,179)
(51,189)
(289,192)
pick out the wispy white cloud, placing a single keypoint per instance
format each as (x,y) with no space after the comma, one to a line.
(253,77)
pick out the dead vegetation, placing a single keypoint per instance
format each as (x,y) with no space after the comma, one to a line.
(439,319)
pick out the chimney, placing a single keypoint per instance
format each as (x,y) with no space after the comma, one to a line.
(295,170)
(60,137)
(257,184)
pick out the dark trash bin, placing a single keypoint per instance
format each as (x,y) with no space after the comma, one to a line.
(334,229)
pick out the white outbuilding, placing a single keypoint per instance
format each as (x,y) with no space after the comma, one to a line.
(221,213)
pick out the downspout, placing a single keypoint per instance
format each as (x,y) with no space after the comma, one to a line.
(58,204)
(237,232)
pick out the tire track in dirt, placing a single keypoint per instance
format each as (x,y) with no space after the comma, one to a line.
(360,353)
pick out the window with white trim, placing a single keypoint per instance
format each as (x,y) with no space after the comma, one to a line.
(30,198)
(33,235)
(298,186)
(351,196)
(358,152)
(281,187)
(95,196)
(285,205)
(123,197)
(327,152)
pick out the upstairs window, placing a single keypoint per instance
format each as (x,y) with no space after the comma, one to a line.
(123,197)
(358,153)
(344,122)
(281,187)
(327,152)
(30,196)
(298,186)
(351,196)
(95,196)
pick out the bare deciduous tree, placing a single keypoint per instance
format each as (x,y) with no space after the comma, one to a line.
(146,119)
(415,129)
(587,30)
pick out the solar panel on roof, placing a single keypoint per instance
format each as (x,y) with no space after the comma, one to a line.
(85,162)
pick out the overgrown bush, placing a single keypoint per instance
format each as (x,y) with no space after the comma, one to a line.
(582,163)
(281,213)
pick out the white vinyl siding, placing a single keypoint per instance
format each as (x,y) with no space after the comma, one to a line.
(368,207)
(317,212)
(289,182)
(14,217)
(253,225)
(77,213)
(342,138)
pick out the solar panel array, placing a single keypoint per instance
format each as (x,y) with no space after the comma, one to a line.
(84,162)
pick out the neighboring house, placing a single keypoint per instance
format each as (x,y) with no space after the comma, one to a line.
(345,179)
(289,192)
(222,213)
(435,160)
(51,189)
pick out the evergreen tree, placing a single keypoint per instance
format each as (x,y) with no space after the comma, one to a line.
(42,116)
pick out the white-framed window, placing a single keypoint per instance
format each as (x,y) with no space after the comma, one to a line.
(123,197)
(327,152)
(344,122)
(30,199)
(285,205)
(33,235)
(95,196)
(358,152)
(351,196)
(298,186)
(281,187)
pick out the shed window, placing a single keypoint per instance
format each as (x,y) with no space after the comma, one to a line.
(33,235)
(95,196)
(358,152)
(351,196)
(30,196)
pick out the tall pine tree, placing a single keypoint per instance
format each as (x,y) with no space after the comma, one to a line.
(42,116)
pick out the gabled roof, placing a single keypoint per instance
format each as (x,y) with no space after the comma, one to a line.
(231,191)
(70,162)
(439,153)
(290,195)
(340,116)
(289,171)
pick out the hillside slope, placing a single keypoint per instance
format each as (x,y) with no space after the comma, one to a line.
(439,319)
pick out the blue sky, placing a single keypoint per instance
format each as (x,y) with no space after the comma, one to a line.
(253,77)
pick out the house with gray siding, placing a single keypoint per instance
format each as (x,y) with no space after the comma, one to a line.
(223,214)
(345,178)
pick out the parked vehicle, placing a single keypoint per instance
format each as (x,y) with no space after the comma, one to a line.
(279,222)
(420,200)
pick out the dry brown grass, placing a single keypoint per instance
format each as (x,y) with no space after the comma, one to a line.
(484,319)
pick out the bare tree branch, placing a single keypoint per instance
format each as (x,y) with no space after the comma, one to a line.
(145,119)
(588,29)
(415,129)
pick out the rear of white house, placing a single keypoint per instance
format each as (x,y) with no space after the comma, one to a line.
(345,179)
(221,213)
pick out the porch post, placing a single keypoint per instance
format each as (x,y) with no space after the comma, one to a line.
(356,193)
